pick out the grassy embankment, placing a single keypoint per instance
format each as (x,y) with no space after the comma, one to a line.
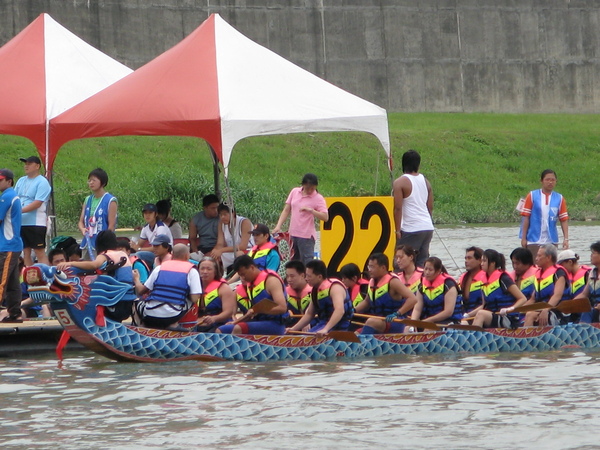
(479,166)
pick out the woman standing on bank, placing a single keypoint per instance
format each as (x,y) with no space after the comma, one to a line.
(305,204)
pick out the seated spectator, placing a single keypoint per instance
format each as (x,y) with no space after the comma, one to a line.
(264,252)
(204,227)
(137,263)
(163,207)
(172,288)
(153,228)
(162,249)
(224,250)
(115,263)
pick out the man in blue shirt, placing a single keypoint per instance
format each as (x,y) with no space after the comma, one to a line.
(34,192)
(11,246)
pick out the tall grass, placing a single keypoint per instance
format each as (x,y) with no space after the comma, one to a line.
(478,164)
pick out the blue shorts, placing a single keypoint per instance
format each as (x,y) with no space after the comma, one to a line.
(258,327)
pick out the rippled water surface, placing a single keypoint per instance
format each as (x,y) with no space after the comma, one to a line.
(544,400)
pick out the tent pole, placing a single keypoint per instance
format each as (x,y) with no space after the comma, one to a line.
(51,206)
(232,215)
(216,172)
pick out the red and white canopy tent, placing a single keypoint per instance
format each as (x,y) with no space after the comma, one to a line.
(45,70)
(220,86)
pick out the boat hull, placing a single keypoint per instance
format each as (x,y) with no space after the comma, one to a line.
(130,343)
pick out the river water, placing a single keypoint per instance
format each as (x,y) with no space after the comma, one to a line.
(543,400)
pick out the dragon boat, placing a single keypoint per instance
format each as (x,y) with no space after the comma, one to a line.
(78,300)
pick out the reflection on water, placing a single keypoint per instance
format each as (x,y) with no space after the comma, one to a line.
(544,400)
(492,401)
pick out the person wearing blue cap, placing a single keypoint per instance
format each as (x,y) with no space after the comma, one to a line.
(162,248)
(151,230)
(11,246)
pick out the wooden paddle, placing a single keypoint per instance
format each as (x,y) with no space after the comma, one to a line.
(344,336)
(262,307)
(533,307)
(409,322)
(579,305)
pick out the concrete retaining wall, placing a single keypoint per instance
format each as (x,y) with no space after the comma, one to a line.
(405,55)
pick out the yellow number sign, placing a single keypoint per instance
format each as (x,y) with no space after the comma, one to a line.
(357,227)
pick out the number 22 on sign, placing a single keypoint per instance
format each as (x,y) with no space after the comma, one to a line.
(357,227)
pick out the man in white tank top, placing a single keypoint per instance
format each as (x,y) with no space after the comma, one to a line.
(413,207)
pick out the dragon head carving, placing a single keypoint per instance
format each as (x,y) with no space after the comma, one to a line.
(72,286)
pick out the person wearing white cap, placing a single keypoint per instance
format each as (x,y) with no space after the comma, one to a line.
(578,274)
(34,192)
(11,246)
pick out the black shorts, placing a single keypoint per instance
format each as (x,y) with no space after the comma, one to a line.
(33,236)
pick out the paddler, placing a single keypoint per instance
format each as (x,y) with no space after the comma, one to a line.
(470,283)
(330,302)
(551,286)
(298,290)
(437,300)
(217,304)
(524,270)
(500,294)
(259,285)
(408,272)
(357,286)
(388,297)
(592,288)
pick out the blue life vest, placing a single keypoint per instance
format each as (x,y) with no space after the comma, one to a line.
(534,232)
(434,293)
(382,302)
(414,282)
(594,284)
(213,305)
(257,291)
(171,285)
(544,283)
(95,221)
(241,296)
(321,296)
(527,283)
(260,254)
(579,280)
(475,291)
(298,301)
(496,293)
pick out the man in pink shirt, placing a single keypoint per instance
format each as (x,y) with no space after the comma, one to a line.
(305,204)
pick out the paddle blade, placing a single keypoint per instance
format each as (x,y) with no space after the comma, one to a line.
(264,306)
(579,305)
(344,336)
(419,324)
(533,307)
